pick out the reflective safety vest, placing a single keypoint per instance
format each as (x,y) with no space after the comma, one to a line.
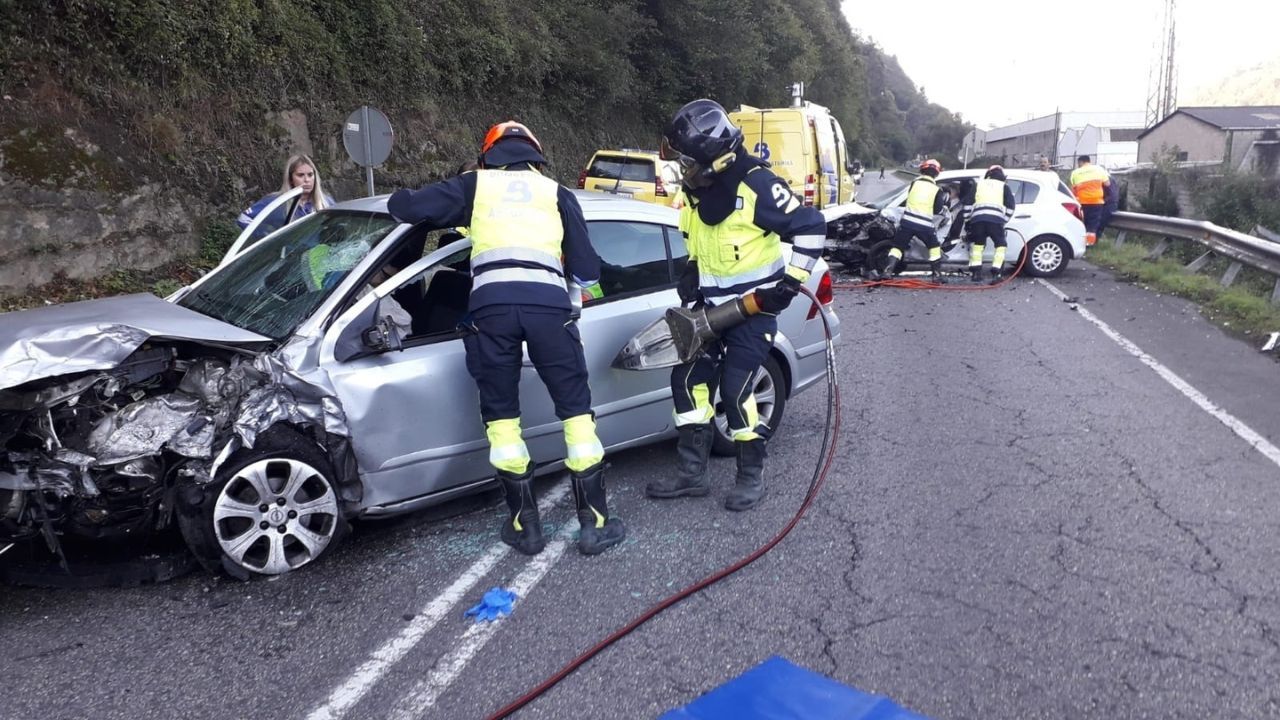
(516,229)
(734,256)
(988,202)
(920,200)
(1087,183)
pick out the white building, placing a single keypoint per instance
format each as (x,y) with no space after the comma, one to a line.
(1110,138)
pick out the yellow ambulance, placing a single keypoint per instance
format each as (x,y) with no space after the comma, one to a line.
(806,147)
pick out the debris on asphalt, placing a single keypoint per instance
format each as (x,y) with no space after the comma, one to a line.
(496,603)
(1071,299)
(1271,342)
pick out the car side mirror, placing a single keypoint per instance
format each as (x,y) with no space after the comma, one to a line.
(383,335)
(365,335)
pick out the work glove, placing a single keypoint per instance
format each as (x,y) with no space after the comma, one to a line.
(688,285)
(776,299)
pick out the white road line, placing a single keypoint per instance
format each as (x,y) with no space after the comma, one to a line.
(346,695)
(427,691)
(1259,443)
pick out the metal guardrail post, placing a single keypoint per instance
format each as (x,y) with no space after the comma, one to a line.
(1120,238)
(1233,270)
(1195,265)
(1159,249)
(1275,294)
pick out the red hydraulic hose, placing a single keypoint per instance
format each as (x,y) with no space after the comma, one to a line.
(919,284)
(826,456)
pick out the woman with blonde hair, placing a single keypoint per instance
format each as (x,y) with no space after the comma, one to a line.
(300,171)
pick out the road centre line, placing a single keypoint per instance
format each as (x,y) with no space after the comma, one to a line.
(346,695)
(427,692)
(1259,443)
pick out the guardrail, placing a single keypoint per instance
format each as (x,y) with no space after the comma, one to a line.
(1242,249)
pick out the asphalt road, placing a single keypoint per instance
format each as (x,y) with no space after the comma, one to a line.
(1024,521)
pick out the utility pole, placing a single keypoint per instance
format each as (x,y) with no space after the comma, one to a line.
(1162,79)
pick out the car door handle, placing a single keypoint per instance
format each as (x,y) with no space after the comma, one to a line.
(1021,217)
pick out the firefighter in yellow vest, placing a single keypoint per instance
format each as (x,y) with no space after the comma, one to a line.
(926,206)
(985,209)
(528,237)
(737,217)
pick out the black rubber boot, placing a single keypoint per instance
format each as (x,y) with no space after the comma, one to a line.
(997,274)
(523,531)
(599,531)
(975,273)
(692,452)
(935,272)
(748,488)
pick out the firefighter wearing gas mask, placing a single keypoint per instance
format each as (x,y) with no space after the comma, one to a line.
(737,216)
(527,236)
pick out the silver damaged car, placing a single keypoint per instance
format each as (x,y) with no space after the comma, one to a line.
(315,377)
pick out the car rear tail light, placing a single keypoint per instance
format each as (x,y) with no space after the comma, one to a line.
(658,188)
(582,179)
(1074,209)
(810,190)
(826,294)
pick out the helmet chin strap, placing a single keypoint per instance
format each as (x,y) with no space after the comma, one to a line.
(699,177)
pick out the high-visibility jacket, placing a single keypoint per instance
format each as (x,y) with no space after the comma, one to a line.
(925,202)
(992,201)
(524,228)
(515,230)
(1087,182)
(743,252)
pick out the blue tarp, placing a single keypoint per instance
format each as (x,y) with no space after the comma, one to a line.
(779,690)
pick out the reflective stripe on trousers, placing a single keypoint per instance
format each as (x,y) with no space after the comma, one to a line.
(582,443)
(507,451)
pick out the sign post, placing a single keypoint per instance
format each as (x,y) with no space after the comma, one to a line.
(368,138)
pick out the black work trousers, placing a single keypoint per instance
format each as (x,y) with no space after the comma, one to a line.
(494,357)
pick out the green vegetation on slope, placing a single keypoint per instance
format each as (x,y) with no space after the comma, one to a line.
(182,91)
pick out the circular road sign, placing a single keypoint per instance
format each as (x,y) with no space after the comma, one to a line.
(368,137)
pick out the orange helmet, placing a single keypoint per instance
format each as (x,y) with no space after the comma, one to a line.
(931,164)
(508,129)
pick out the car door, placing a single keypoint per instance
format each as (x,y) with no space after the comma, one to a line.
(414,412)
(1022,224)
(640,263)
(268,220)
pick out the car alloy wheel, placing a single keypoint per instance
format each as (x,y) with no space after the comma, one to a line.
(275,515)
(1047,258)
(769,388)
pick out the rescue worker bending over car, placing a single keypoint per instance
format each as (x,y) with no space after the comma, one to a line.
(926,207)
(737,216)
(521,225)
(986,208)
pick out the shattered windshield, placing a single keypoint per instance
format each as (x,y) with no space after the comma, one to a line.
(275,285)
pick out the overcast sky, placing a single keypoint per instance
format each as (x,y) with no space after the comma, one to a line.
(1043,61)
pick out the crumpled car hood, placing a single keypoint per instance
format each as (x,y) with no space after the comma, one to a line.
(838,211)
(99,334)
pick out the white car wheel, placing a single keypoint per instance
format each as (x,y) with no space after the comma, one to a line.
(1046,257)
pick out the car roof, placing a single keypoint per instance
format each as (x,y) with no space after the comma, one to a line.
(595,205)
(598,205)
(1040,176)
(631,152)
